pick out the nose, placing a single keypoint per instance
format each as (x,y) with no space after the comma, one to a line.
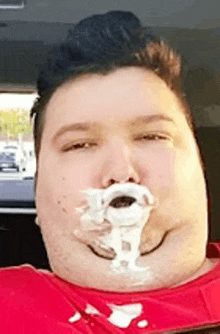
(120,165)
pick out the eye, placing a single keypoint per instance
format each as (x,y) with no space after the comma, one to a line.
(153,137)
(78,146)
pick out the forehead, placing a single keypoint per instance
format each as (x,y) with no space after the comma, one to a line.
(123,94)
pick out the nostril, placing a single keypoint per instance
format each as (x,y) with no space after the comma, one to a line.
(122,201)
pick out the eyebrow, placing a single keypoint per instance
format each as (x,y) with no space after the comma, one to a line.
(152,118)
(86,126)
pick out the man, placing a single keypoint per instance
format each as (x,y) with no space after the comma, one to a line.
(110,110)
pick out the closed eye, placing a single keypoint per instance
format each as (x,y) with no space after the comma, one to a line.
(152,137)
(78,146)
(89,145)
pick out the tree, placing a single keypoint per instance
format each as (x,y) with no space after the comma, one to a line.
(14,123)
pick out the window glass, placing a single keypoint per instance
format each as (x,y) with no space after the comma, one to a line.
(17,158)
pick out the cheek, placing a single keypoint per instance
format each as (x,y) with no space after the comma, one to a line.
(158,169)
(178,182)
(170,167)
(59,187)
(175,177)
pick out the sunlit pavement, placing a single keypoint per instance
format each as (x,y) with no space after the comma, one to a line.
(14,175)
(10,174)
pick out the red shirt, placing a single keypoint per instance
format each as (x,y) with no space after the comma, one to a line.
(39,302)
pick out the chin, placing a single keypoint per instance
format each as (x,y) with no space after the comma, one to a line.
(164,266)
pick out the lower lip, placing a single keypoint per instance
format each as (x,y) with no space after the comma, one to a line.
(97,252)
(109,256)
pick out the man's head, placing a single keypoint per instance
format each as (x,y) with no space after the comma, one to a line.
(113,115)
(101,44)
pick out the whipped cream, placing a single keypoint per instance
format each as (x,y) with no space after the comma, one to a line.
(126,207)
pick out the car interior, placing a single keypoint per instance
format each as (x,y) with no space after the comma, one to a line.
(29,28)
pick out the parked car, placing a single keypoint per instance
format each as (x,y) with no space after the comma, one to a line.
(17,158)
(8,160)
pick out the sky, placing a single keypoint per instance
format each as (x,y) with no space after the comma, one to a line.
(17,100)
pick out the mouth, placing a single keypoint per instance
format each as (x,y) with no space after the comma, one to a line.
(122,201)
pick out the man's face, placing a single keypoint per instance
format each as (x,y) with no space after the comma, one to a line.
(101,130)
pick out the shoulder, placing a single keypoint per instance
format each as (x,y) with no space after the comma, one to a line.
(15,279)
(30,302)
(17,274)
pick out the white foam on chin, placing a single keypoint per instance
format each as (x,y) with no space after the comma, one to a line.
(126,222)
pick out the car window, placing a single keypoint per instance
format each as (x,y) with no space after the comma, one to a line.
(17,158)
